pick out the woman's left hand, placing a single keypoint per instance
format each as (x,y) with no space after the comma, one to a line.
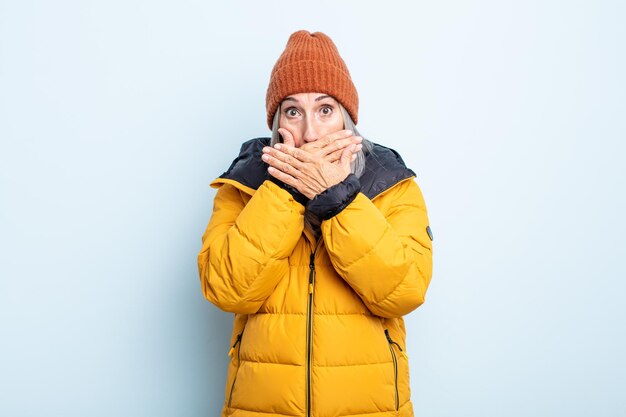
(308,173)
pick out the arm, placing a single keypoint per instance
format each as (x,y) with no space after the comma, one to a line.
(386,259)
(245,246)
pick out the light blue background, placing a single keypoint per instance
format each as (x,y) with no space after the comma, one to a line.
(116,115)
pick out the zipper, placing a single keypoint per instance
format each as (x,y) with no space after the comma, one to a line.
(309,328)
(230,352)
(395,365)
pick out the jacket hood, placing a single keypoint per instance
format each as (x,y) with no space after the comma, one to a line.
(383,168)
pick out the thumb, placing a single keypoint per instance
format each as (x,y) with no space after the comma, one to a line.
(287,137)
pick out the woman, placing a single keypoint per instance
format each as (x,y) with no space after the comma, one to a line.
(319,243)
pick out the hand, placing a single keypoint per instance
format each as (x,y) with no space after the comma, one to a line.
(329,146)
(309,172)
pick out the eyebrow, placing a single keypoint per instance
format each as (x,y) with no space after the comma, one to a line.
(317,99)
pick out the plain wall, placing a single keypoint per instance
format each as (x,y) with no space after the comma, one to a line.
(116,115)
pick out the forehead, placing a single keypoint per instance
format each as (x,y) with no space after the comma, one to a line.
(301,97)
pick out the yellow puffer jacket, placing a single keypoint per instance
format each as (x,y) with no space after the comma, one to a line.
(318,325)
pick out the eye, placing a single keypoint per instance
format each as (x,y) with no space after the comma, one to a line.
(291,112)
(329,108)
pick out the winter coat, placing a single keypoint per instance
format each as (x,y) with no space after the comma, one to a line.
(318,326)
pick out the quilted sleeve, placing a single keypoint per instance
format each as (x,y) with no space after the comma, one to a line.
(385,258)
(245,246)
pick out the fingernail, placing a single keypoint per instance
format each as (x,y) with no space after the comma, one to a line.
(265,157)
(348,132)
(266,149)
(277,146)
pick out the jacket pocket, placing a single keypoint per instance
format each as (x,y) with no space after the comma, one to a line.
(395,366)
(236,345)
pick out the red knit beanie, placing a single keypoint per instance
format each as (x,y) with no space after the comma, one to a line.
(311,63)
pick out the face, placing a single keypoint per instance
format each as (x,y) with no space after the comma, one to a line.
(310,116)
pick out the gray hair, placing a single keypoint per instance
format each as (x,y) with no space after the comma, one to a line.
(357,167)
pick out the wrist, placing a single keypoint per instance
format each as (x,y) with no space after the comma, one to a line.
(334,199)
(295,194)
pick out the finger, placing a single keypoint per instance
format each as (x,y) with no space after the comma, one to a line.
(340,134)
(299,154)
(312,147)
(332,137)
(281,165)
(281,156)
(341,143)
(346,156)
(284,177)
(318,146)
(334,156)
(287,137)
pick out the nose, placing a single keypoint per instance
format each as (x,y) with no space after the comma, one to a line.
(310,130)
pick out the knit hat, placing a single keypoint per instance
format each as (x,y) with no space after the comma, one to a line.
(311,63)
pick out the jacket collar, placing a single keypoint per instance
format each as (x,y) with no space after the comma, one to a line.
(384,168)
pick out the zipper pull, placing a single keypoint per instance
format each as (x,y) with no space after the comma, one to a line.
(390,340)
(232,349)
(312,270)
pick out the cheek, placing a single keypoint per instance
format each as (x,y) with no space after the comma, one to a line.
(330,125)
(290,124)
(335,124)
(337,121)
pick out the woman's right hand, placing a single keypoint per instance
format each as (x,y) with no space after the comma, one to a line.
(330,146)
